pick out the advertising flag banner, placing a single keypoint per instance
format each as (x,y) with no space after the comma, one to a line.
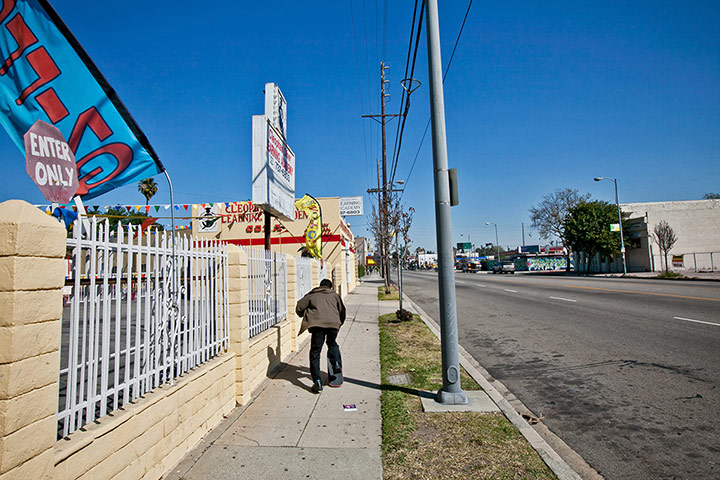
(313,232)
(46,75)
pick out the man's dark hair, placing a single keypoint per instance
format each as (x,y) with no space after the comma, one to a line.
(326,283)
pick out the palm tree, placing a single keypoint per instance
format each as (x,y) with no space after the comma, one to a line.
(148,188)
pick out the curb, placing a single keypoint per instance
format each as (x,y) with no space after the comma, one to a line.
(553,460)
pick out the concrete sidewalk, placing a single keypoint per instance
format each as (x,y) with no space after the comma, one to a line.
(288,432)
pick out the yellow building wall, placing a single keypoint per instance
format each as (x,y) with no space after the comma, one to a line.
(242,223)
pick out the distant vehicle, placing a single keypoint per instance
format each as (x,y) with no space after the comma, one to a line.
(504,267)
(471,267)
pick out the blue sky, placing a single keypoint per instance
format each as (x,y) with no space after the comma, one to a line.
(538,97)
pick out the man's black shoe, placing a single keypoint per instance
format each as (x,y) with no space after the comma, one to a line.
(317,386)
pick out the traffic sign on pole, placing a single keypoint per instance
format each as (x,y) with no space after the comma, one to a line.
(50,162)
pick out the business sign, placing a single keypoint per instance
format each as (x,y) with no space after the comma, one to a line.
(614,227)
(208,221)
(273,170)
(677,261)
(276,108)
(46,75)
(351,206)
(50,162)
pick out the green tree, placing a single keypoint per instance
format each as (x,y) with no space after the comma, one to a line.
(548,217)
(587,228)
(487,250)
(147,187)
(119,214)
(711,196)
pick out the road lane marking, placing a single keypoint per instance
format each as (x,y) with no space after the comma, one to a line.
(696,321)
(511,291)
(461,283)
(564,299)
(480,285)
(518,282)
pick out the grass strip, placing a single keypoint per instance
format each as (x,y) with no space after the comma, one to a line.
(393,295)
(458,445)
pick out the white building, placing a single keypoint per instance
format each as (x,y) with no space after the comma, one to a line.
(696,224)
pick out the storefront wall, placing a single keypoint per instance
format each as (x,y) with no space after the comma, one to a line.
(242,223)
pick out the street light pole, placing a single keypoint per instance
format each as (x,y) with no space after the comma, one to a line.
(617,202)
(451,392)
(497,246)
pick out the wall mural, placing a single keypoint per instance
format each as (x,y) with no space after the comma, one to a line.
(545,264)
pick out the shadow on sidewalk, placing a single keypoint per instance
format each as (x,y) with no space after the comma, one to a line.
(294,374)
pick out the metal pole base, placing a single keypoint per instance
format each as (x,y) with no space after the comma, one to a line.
(451,398)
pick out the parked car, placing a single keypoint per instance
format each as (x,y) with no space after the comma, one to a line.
(504,267)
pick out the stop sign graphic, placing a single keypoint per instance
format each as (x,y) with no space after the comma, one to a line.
(50,162)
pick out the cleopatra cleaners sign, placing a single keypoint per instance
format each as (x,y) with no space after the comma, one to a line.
(50,162)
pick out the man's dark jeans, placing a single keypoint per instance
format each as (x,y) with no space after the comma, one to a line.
(319,336)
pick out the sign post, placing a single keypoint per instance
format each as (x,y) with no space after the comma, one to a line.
(50,162)
(273,162)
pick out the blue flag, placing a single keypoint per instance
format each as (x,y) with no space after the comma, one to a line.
(46,75)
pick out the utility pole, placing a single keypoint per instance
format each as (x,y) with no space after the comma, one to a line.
(384,176)
(451,392)
(383,190)
(380,209)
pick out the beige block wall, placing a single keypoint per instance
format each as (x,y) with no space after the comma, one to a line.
(143,439)
(32,247)
(259,356)
(148,437)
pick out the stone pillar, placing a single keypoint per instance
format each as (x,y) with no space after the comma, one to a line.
(32,274)
(336,275)
(292,300)
(315,273)
(239,320)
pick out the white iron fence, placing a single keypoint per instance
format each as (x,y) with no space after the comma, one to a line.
(697,261)
(267,277)
(303,269)
(134,322)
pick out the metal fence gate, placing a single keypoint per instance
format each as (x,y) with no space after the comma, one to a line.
(267,277)
(133,320)
(303,267)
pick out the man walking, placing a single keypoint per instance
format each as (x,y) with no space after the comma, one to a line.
(324,313)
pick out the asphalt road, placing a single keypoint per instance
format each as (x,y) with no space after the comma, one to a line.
(622,369)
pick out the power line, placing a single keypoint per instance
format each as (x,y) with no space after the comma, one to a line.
(385,29)
(362,107)
(407,65)
(447,69)
(406,93)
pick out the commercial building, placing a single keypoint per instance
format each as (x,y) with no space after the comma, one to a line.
(696,224)
(243,223)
